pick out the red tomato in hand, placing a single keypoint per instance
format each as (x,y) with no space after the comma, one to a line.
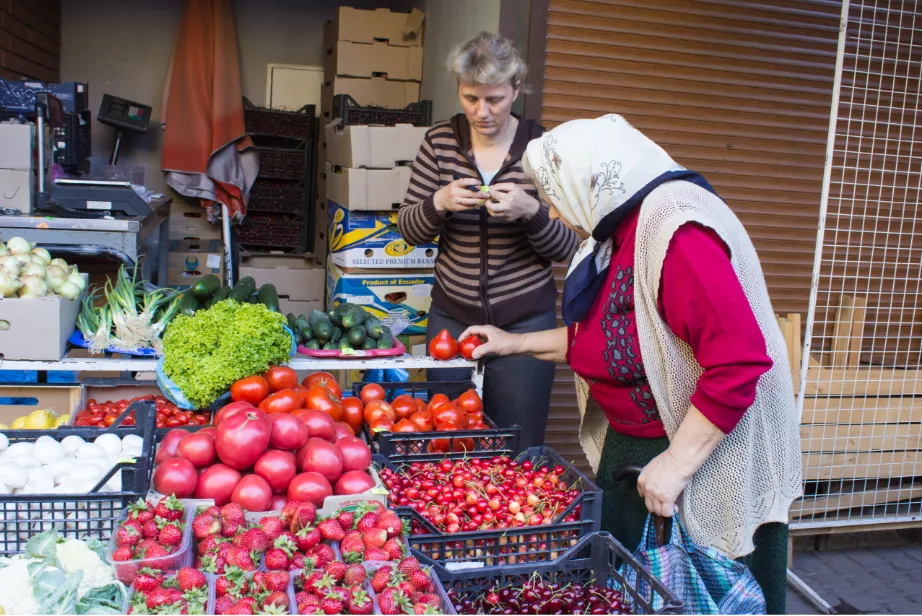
(443,347)
(252,389)
(468,345)
(284,401)
(323,379)
(281,377)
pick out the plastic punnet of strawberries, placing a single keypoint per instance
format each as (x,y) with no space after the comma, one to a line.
(150,531)
(262,592)
(342,588)
(186,592)
(540,596)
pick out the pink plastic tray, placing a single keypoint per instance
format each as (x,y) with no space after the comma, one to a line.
(398,350)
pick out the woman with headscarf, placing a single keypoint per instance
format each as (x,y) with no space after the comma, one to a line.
(681,367)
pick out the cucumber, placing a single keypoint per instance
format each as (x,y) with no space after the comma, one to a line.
(244,289)
(373,327)
(323,330)
(336,317)
(337,335)
(204,289)
(188,304)
(253,299)
(317,317)
(313,345)
(370,344)
(291,321)
(356,336)
(268,296)
(306,331)
(385,342)
(353,318)
(329,346)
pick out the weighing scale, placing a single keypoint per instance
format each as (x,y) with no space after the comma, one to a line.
(89,198)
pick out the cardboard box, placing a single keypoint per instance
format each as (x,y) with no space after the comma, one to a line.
(374,147)
(397,298)
(37,328)
(361,26)
(367,189)
(189,222)
(17,189)
(191,260)
(18,400)
(371,240)
(296,307)
(376,59)
(295,284)
(374,92)
(263,261)
(16,142)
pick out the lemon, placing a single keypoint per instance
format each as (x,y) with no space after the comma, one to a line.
(3,426)
(61,421)
(19,423)
(40,420)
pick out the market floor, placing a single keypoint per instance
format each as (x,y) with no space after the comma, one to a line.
(861,581)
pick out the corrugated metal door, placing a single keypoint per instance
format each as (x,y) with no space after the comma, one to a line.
(737,90)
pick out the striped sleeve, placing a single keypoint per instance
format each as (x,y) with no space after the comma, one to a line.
(551,239)
(418,220)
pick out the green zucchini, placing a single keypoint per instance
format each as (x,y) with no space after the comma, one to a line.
(268,296)
(244,289)
(221,294)
(204,289)
(188,304)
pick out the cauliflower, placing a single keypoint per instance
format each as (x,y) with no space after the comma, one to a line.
(15,587)
(75,555)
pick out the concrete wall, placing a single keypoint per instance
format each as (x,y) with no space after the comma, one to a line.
(449,22)
(123,48)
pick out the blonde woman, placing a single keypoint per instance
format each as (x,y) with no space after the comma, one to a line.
(682,367)
(496,240)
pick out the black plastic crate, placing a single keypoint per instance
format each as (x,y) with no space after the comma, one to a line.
(280,197)
(79,516)
(73,140)
(282,163)
(598,558)
(399,447)
(289,236)
(261,121)
(510,546)
(346,108)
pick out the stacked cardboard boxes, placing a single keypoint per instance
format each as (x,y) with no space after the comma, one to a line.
(374,57)
(298,280)
(17,175)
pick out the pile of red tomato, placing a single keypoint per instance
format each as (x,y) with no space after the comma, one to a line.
(278,440)
(103,414)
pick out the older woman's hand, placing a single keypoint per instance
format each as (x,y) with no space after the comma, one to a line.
(661,483)
(496,341)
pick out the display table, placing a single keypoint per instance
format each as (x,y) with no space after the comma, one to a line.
(133,239)
(307,364)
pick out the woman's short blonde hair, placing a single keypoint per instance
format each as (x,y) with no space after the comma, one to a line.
(487,59)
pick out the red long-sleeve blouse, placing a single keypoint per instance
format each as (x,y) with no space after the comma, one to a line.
(702,302)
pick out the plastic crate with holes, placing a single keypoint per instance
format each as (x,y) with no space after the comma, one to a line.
(261,121)
(399,447)
(277,196)
(286,235)
(94,513)
(346,109)
(597,558)
(282,163)
(533,540)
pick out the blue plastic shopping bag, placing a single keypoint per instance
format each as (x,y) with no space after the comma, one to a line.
(704,579)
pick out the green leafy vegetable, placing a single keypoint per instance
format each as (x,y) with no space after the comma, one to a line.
(205,353)
(108,599)
(44,546)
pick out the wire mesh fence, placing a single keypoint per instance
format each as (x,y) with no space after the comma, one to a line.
(861,378)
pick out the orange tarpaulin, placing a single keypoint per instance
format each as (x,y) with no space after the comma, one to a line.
(206,152)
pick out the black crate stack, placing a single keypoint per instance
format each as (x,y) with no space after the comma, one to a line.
(279,214)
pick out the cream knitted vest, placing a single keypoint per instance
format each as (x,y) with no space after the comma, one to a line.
(755,473)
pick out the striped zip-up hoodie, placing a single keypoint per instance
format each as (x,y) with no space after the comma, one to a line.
(488,271)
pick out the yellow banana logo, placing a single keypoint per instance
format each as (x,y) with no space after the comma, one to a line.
(397,248)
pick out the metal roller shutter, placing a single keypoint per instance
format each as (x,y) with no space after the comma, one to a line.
(737,90)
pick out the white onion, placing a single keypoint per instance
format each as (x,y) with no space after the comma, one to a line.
(56,277)
(59,262)
(68,290)
(9,284)
(33,286)
(76,278)
(23,260)
(19,246)
(10,264)
(43,254)
(37,269)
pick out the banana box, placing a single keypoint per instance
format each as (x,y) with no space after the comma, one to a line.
(399,299)
(371,240)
